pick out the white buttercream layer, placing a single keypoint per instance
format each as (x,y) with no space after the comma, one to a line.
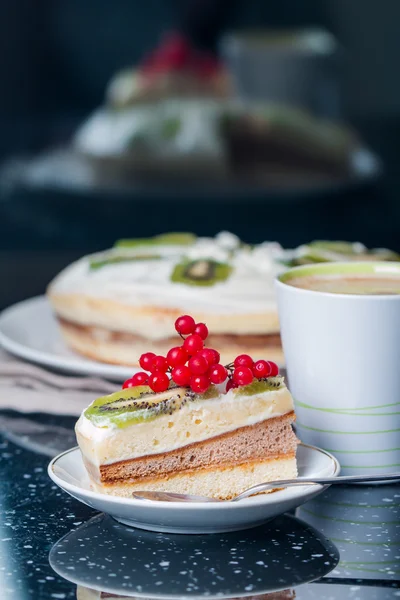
(248,290)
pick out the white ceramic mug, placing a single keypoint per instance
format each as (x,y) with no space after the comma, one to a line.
(297,68)
(343,362)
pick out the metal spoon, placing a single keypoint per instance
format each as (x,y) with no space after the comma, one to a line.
(263,487)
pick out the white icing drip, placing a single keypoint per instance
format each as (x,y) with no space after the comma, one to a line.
(250,288)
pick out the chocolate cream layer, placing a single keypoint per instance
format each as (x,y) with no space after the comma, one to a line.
(272,438)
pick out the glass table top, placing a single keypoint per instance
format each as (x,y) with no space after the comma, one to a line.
(343,544)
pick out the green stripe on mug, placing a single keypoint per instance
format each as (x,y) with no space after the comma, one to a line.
(370,466)
(347,432)
(351,411)
(351,268)
(361,451)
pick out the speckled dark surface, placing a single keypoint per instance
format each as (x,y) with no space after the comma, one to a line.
(275,556)
(363,523)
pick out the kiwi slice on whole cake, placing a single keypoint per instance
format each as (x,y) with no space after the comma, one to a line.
(98,263)
(259,386)
(170,128)
(384,254)
(328,251)
(165,239)
(339,247)
(202,272)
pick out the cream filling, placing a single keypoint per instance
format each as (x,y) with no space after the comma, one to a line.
(222,482)
(195,422)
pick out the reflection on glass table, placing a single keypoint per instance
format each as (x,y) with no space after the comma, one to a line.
(105,555)
(96,552)
(364,523)
(84,593)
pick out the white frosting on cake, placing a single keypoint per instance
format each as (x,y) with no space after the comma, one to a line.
(141,130)
(249,289)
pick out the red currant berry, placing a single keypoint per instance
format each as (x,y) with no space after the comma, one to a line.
(243,376)
(274,368)
(230,385)
(175,51)
(181,375)
(159,364)
(211,356)
(185,325)
(202,330)
(159,382)
(146,359)
(140,378)
(207,66)
(218,374)
(261,368)
(198,365)
(177,356)
(193,344)
(199,383)
(243,360)
(128,383)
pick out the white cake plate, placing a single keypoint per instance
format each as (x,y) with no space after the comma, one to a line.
(30,331)
(68,472)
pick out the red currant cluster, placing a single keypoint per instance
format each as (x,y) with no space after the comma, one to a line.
(243,370)
(192,365)
(176,54)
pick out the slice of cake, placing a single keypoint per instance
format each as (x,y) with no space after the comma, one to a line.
(172,429)
(113,305)
(175,116)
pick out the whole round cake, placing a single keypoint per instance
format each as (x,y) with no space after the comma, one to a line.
(112,304)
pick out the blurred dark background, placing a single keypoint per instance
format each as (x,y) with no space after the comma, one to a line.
(58,56)
(56,60)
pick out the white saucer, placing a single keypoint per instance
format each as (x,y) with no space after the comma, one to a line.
(30,331)
(68,472)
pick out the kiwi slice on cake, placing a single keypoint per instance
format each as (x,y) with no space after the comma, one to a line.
(136,405)
(98,263)
(165,239)
(259,386)
(170,128)
(139,404)
(202,272)
(329,246)
(384,254)
(327,251)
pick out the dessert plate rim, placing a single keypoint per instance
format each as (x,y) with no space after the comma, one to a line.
(22,318)
(57,473)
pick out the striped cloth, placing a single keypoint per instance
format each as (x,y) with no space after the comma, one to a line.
(27,388)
